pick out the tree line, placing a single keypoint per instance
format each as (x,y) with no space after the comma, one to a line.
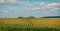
(27,17)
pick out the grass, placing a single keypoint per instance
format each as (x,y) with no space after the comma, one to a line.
(29,24)
(8,28)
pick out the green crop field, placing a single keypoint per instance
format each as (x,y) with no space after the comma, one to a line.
(29,24)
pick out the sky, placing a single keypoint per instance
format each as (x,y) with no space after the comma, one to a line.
(26,8)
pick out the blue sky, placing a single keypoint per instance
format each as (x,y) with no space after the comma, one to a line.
(25,8)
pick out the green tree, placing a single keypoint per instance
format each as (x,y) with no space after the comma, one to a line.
(20,17)
(31,17)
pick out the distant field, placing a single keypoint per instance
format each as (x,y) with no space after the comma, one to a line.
(30,22)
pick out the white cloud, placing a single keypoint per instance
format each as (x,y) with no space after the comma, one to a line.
(53,4)
(57,8)
(30,5)
(12,1)
(40,3)
(3,11)
(54,9)
(35,8)
(51,7)
(2,1)
(9,1)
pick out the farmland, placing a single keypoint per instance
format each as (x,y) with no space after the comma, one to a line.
(29,24)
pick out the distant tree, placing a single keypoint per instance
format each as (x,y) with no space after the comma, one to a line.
(20,17)
(5,17)
(31,17)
